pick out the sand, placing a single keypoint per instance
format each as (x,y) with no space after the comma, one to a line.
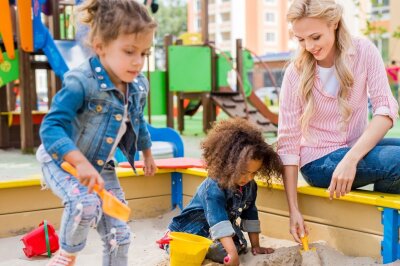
(288,253)
(145,252)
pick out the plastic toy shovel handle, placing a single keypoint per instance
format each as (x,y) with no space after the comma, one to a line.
(70,169)
(304,241)
(112,206)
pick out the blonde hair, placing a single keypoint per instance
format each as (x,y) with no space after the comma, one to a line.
(108,19)
(305,63)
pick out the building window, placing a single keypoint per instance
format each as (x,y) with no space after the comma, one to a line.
(211,19)
(278,76)
(198,24)
(270,37)
(225,36)
(269,17)
(380,3)
(225,17)
(380,13)
(198,5)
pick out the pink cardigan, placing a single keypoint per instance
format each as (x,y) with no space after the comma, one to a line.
(324,132)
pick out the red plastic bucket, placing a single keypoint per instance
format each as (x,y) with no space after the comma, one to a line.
(41,240)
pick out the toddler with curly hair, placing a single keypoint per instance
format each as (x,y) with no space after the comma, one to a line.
(235,152)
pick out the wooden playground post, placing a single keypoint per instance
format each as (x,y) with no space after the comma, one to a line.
(26,95)
(54,83)
(204,21)
(27,84)
(170,95)
(211,107)
(11,97)
(4,131)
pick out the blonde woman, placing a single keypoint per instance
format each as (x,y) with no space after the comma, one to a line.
(323,127)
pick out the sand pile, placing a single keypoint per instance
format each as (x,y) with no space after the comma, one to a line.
(287,253)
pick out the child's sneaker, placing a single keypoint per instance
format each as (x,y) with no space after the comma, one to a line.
(62,259)
(162,242)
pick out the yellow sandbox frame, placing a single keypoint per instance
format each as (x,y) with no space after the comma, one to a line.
(351,224)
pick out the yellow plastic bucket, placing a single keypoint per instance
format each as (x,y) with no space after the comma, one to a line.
(187,249)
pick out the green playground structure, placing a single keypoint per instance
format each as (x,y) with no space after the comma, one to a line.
(197,76)
(9,69)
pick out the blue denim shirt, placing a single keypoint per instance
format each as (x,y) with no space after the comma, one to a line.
(87,113)
(213,211)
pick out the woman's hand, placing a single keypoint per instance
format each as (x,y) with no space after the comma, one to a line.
(297,227)
(343,178)
(88,176)
(261,250)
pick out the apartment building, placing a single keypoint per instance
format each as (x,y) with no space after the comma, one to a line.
(261,24)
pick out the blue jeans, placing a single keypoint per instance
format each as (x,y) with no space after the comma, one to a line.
(380,166)
(83,210)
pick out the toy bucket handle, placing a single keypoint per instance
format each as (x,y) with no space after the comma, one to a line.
(46,235)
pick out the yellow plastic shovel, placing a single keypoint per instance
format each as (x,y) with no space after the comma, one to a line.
(310,256)
(111,205)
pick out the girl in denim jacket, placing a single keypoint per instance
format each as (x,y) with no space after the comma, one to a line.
(235,152)
(99,108)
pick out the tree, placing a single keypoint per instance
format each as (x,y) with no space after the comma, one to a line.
(171,18)
(375,31)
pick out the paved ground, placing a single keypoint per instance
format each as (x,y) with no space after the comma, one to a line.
(15,165)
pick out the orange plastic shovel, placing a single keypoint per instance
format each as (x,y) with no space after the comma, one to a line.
(111,205)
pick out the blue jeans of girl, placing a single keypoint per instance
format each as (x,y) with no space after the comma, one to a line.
(380,167)
(83,210)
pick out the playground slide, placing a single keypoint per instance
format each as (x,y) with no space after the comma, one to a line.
(71,52)
(234,105)
(262,108)
(43,40)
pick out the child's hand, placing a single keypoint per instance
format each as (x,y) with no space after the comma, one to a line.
(88,176)
(150,166)
(261,250)
(232,260)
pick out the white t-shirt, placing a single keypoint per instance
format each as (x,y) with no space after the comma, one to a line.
(330,83)
(121,132)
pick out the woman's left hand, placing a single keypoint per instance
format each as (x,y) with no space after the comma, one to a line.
(261,250)
(342,178)
(150,166)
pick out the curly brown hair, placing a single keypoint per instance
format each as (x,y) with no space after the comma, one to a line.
(229,146)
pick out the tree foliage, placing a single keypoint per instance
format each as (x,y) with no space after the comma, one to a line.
(171,18)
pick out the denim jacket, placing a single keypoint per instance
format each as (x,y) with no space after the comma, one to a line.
(214,212)
(87,113)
